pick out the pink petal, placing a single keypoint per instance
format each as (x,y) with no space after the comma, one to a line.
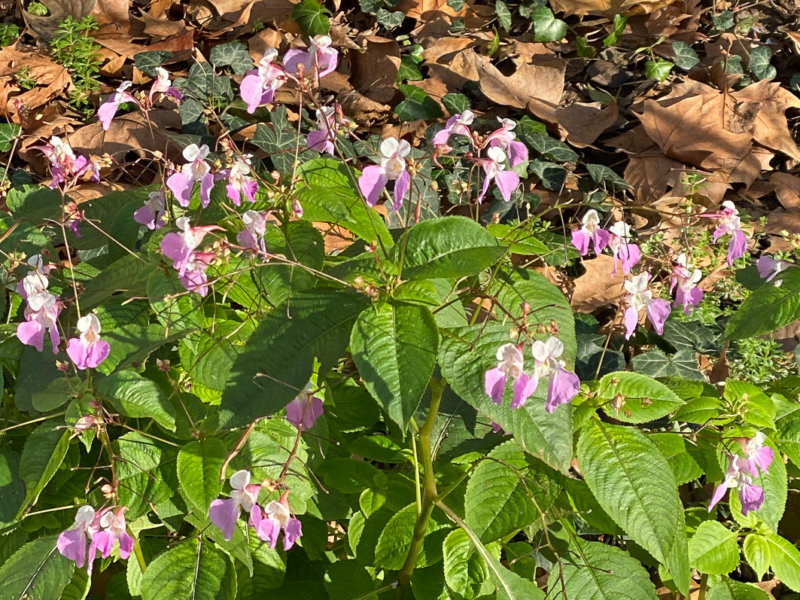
(293,58)
(224,514)
(102,541)
(657,312)
(441,138)
(631,320)
(507,182)
(719,492)
(293,531)
(400,188)
(145,216)
(125,545)
(763,458)
(31,333)
(580,239)
(98,351)
(737,246)
(327,60)
(77,350)
(524,386)
(562,388)
(629,254)
(371,183)
(267,529)
(750,497)
(206,183)
(251,90)
(316,140)
(181,184)
(494,384)
(600,238)
(517,153)
(105,114)
(72,544)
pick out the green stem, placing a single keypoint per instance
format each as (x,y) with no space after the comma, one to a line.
(701,595)
(429,488)
(137,551)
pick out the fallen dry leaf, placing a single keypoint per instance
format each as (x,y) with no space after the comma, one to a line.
(354,104)
(374,69)
(115,12)
(585,122)
(130,133)
(58,11)
(597,287)
(607,7)
(787,189)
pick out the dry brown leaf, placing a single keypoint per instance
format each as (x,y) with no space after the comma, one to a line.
(769,125)
(58,11)
(607,7)
(779,221)
(40,69)
(114,12)
(424,9)
(266,38)
(374,70)
(180,45)
(787,189)
(156,29)
(130,133)
(597,287)
(354,104)
(585,122)
(651,174)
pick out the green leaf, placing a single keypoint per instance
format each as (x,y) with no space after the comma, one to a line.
(312,17)
(41,457)
(713,549)
(755,406)
(125,277)
(456,552)
(673,447)
(634,484)
(394,348)
(655,363)
(684,56)
(450,247)
(175,309)
(723,588)
(757,553)
(497,501)
(658,69)
(693,336)
(199,466)
(37,571)
(549,148)
(503,14)
(194,569)
(602,174)
(546,28)
(417,105)
(136,396)
(643,398)
(11,490)
(233,55)
(723,21)
(551,175)
(760,66)
(785,560)
(147,62)
(619,26)
(518,240)
(390,20)
(767,308)
(132,344)
(455,103)
(8,132)
(583,48)
(57,393)
(394,541)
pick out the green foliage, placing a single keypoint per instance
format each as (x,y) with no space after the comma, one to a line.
(73,46)
(312,17)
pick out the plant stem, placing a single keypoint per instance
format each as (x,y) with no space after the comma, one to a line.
(137,551)
(701,595)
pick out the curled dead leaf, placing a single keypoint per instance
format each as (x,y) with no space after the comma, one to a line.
(58,11)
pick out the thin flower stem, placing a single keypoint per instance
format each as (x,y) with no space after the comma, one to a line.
(137,550)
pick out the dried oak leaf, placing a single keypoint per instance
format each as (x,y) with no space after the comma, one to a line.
(41,69)
(597,287)
(584,122)
(58,11)
(787,189)
(114,12)
(607,7)
(373,71)
(130,133)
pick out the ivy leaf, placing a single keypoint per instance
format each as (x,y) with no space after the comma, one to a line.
(417,105)
(147,62)
(233,55)
(723,21)
(549,148)
(713,549)
(455,103)
(546,28)
(390,19)
(760,66)
(8,131)
(37,571)
(503,14)
(199,465)
(684,56)
(658,69)
(312,17)
(195,569)
(551,175)
(655,363)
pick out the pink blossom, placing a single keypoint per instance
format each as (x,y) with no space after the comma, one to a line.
(757,454)
(304,409)
(41,315)
(622,248)
(163,85)
(65,166)
(180,246)
(374,178)
(274,517)
(769,268)
(152,213)
(197,169)
(259,85)
(88,350)
(109,108)
(590,231)
(506,179)
(455,125)
(320,57)
(252,236)
(505,139)
(321,139)
(510,363)
(641,297)
(728,222)
(239,181)
(562,385)
(36,281)
(687,294)
(751,496)
(225,512)
(113,530)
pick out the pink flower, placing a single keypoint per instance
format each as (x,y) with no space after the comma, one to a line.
(88,350)
(510,363)
(113,530)
(590,231)
(252,236)
(225,512)
(728,222)
(562,385)
(757,454)
(259,85)
(751,497)
(622,248)
(322,138)
(36,281)
(64,165)
(41,315)
(152,213)
(455,125)
(687,294)
(180,246)
(72,542)
(640,297)
(505,139)
(276,516)
(106,112)
(197,169)
(374,178)
(769,268)
(239,182)
(506,179)
(320,58)
(163,85)
(304,409)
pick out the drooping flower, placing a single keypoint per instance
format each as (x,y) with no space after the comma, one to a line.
(239,181)
(455,125)
(252,236)
(590,231)
(65,166)
(562,386)
(684,281)
(276,516)
(109,108)
(88,350)
(374,178)
(180,246)
(505,139)
(152,213)
(493,168)
(319,60)
(728,221)
(259,85)
(751,496)
(41,314)
(757,454)
(304,409)
(321,139)
(182,182)
(769,268)
(102,529)
(641,297)
(36,281)
(72,542)
(510,363)
(113,529)
(225,512)
(163,85)
(621,247)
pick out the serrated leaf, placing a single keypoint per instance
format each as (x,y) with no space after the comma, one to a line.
(394,541)
(644,399)
(456,551)
(42,455)
(195,569)
(546,28)
(147,62)
(136,396)
(684,56)
(233,55)
(673,447)
(37,571)
(199,465)
(757,554)
(713,549)
(11,490)
(785,560)
(312,17)
(723,588)
(767,308)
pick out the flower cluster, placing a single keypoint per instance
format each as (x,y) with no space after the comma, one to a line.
(728,222)
(65,166)
(684,282)
(741,470)
(43,308)
(102,529)
(617,238)
(191,265)
(267,522)
(562,385)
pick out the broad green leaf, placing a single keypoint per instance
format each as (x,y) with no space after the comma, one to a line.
(8,131)
(417,105)
(546,28)
(642,398)
(394,541)
(147,62)
(456,551)
(601,174)
(713,549)
(551,175)
(518,240)
(655,363)
(141,483)
(174,308)
(757,554)
(41,457)
(57,393)
(133,344)
(634,484)
(348,579)
(549,148)
(455,103)
(760,66)
(195,569)
(767,308)
(497,501)
(37,571)
(138,397)
(233,55)
(658,69)
(785,560)
(673,447)
(684,56)
(755,406)
(11,490)
(693,336)
(723,588)
(127,277)
(79,586)
(312,17)
(394,348)
(199,465)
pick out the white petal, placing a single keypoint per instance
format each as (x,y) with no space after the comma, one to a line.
(240,479)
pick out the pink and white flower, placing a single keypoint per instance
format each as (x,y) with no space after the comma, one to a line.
(769,268)
(641,297)
(304,410)
(65,166)
(72,542)
(320,58)
(510,363)
(113,529)
(276,516)
(728,222)
(321,139)
(456,125)
(737,477)
(88,350)
(152,213)
(36,281)
(622,248)
(493,168)
(590,231)
(393,167)
(191,265)
(41,314)
(562,386)
(259,85)
(102,529)
(505,139)
(163,85)
(685,280)
(252,236)
(109,108)
(197,169)
(225,512)
(757,454)
(239,181)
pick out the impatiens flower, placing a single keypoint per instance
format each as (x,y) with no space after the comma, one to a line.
(113,530)
(197,169)
(109,108)
(41,315)
(728,222)
(163,85)
(509,364)
(252,236)
(505,139)
(622,248)
(562,385)
(276,516)
(320,59)
(239,182)
(506,180)
(65,166)
(36,281)
(304,409)
(455,125)
(297,209)
(374,178)
(102,529)
(321,139)
(640,297)
(88,350)
(152,213)
(259,85)
(751,496)
(757,454)
(769,268)
(225,512)
(180,246)
(590,231)
(687,294)
(72,542)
